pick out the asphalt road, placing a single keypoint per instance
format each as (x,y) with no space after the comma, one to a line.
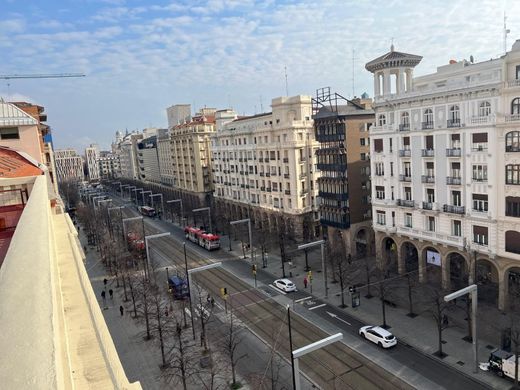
(435,371)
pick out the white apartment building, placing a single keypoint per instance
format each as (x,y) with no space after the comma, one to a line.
(128,156)
(267,161)
(446,170)
(91,158)
(164,151)
(69,165)
(148,160)
(109,165)
(178,114)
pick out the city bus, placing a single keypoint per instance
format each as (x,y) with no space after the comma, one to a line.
(202,238)
(147,211)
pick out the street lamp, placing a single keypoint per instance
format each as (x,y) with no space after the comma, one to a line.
(323,264)
(162,204)
(145,192)
(248,221)
(208,209)
(133,219)
(120,215)
(472,292)
(181,215)
(146,239)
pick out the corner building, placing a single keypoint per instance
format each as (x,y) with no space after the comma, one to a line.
(446,171)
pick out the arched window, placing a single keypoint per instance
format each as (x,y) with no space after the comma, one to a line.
(405,118)
(454,116)
(513,174)
(515,106)
(428,115)
(382,120)
(513,141)
(484,109)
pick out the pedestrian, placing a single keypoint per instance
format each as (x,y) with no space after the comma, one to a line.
(111,292)
(208,299)
(121,310)
(445,319)
(212,302)
(103,295)
(105,281)
(305,281)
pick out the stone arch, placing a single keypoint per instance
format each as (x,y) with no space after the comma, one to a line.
(431,260)
(361,239)
(458,270)
(487,279)
(410,256)
(512,287)
(389,255)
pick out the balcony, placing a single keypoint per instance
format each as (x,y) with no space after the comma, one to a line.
(285,160)
(304,192)
(302,175)
(405,153)
(427,125)
(427,205)
(333,195)
(260,159)
(453,180)
(262,174)
(451,123)
(427,179)
(268,174)
(480,179)
(453,152)
(513,83)
(405,203)
(427,153)
(332,167)
(338,137)
(404,127)
(405,178)
(338,225)
(287,192)
(286,175)
(268,189)
(512,118)
(482,120)
(302,160)
(448,208)
(262,188)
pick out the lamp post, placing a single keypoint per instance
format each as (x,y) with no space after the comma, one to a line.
(208,209)
(472,292)
(162,204)
(181,217)
(323,264)
(248,221)
(145,192)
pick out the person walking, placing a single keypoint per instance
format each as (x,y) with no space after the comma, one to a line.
(121,310)
(103,295)
(111,293)
(305,281)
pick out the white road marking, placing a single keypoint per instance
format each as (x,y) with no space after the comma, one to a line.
(316,307)
(277,289)
(338,318)
(302,299)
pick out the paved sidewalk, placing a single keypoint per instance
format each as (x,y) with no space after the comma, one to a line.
(419,332)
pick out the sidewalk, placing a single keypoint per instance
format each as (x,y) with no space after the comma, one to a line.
(419,332)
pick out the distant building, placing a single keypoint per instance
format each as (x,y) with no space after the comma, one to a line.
(178,114)
(148,160)
(165,158)
(128,156)
(69,165)
(109,165)
(91,160)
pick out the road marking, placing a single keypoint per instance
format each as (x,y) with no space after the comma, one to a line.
(316,307)
(302,299)
(277,289)
(338,318)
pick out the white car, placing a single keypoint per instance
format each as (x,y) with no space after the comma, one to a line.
(378,335)
(285,285)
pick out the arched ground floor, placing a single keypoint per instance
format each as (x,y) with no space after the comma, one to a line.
(358,239)
(451,268)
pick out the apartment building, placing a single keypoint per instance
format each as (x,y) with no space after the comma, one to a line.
(343,158)
(265,162)
(69,165)
(445,163)
(178,114)
(190,150)
(128,155)
(164,151)
(109,165)
(92,162)
(148,160)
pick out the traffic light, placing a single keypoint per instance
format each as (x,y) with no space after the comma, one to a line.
(309,275)
(223,292)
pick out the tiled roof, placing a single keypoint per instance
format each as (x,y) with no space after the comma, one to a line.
(12,164)
(10,115)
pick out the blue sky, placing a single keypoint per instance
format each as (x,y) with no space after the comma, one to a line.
(143,56)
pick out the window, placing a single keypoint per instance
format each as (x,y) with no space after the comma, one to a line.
(378,145)
(381,217)
(407,169)
(479,141)
(480,235)
(456,228)
(428,116)
(406,143)
(454,114)
(391,169)
(456,199)
(480,202)
(408,220)
(430,224)
(380,192)
(364,156)
(380,169)
(480,172)
(428,141)
(515,106)
(390,140)
(9,133)
(430,195)
(513,141)
(484,109)
(513,206)
(382,120)
(518,72)
(405,119)
(407,193)
(362,142)
(513,174)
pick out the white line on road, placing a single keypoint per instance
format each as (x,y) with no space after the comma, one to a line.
(302,299)
(277,289)
(316,307)
(336,317)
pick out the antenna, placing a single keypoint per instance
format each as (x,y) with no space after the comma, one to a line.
(261,104)
(506,31)
(286,83)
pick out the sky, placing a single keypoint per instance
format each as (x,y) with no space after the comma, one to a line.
(140,57)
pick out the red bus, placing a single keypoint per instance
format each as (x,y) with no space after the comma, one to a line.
(206,240)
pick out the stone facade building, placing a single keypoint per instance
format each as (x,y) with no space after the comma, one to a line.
(69,165)
(446,170)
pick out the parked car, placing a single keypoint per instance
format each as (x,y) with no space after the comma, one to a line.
(378,335)
(285,285)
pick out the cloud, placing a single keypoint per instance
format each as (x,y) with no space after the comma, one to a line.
(12,26)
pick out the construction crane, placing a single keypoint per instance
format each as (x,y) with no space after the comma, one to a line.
(39,76)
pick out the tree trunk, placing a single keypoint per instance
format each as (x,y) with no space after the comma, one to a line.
(342,286)
(159,328)
(368,282)
(410,295)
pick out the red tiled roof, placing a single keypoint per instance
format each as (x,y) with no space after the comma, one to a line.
(12,164)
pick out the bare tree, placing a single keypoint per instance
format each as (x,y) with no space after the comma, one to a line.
(233,339)
(180,359)
(438,308)
(161,318)
(342,267)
